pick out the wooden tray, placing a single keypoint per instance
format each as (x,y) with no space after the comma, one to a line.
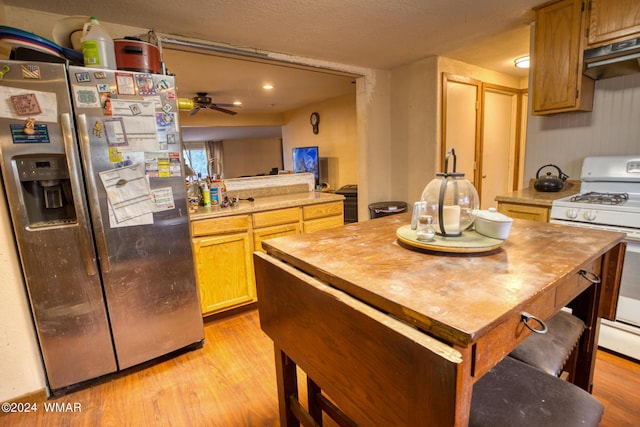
(469,242)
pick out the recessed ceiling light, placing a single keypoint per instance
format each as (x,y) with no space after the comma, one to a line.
(267,87)
(522,62)
(237,103)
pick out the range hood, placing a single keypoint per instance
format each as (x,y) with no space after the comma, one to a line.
(617,59)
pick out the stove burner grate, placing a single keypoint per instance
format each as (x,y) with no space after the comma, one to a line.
(601,198)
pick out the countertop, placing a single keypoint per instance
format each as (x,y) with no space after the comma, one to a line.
(267,203)
(530,196)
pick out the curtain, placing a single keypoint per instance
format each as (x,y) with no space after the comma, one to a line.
(215,159)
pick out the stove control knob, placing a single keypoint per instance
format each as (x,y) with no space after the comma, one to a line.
(589,215)
(571,213)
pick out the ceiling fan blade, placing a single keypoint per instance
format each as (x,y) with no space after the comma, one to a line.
(223,110)
(194,111)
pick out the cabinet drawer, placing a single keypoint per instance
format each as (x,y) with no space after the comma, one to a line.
(322,210)
(509,333)
(574,285)
(276,231)
(323,223)
(534,213)
(277,217)
(228,224)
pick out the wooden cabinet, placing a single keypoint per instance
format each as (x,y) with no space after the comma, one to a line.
(531,212)
(558,84)
(612,21)
(323,216)
(276,223)
(223,250)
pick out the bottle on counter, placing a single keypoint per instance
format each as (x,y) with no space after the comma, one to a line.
(206,196)
(224,199)
(97,46)
(215,192)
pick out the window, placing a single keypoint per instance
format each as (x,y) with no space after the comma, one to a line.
(196,158)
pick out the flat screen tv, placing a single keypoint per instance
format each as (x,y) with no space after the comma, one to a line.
(306,159)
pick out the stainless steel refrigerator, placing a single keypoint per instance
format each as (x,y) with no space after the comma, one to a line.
(92,169)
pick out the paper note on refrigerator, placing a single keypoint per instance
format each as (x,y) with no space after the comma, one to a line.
(128,192)
(138,120)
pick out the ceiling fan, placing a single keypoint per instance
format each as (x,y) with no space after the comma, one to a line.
(202,101)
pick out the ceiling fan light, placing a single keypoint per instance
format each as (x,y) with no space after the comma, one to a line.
(237,103)
(522,62)
(267,87)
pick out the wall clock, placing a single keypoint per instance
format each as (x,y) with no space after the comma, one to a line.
(315,121)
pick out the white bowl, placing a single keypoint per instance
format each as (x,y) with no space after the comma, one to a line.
(493,224)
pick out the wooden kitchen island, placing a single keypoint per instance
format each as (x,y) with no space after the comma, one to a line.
(390,335)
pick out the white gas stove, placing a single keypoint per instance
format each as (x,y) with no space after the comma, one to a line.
(609,199)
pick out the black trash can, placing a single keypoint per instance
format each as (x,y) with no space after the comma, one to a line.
(350,193)
(380,209)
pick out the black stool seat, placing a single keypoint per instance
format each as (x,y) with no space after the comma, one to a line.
(516,394)
(549,352)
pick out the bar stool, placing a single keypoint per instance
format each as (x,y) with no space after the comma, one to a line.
(550,351)
(516,394)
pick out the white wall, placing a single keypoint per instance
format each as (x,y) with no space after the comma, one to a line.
(20,366)
(246,157)
(612,128)
(335,139)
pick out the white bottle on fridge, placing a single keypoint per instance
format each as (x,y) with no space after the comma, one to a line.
(97,46)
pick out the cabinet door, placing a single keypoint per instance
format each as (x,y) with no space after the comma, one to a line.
(224,269)
(558,82)
(613,20)
(270,232)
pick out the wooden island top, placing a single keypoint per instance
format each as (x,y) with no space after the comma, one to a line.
(473,304)
(455,297)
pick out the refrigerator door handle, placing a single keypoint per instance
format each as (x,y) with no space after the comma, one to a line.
(73,163)
(94,201)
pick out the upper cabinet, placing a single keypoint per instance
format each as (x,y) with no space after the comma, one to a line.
(558,84)
(611,21)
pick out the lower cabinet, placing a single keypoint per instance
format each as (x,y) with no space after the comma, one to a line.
(320,217)
(534,213)
(224,271)
(276,223)
(223,249)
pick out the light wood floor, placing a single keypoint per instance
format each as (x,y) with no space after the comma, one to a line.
(231,382)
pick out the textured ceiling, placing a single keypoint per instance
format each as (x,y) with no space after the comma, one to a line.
(368,33)
(380,34)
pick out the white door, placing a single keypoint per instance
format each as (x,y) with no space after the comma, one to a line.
(461,99)
(499,141)
(484,124)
